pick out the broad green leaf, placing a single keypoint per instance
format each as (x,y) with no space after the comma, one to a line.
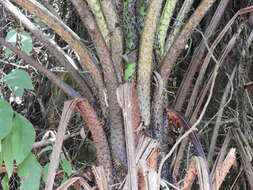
(18,80)
(26,42)
(29,172)
(23,137)
(5,182)
(129,71)
(66,166)
(11,38)
(17,91)
(8,154)
(6,115)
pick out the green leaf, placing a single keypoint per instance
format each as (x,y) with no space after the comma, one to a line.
(11,38)
(1,157)
(18,80)
(6,115)
(23,137)
(8,154)
(66,166)
(26,42)
(30,173)
(5,182)
(39,22)
(129,71)
(46,149)
(45,172)
(18,91)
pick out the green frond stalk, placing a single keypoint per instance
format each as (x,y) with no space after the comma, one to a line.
(96,9)
(164,23)
(145,59)
(178,24)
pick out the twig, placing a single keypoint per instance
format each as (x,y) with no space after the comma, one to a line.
(54,160)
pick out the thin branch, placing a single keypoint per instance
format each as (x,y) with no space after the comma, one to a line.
(53,48)
(69,36)
(198,54)
(68,109)
(51,76)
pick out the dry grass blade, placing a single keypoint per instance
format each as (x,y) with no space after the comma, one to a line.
(198,54)
(54,160)
(221,172)
(124,95)
(146,146)
(222,153)
(203,174)
(210,55)
(100,176)
(245,153)
(146,149)
(72,181)
(148,177)
(220,113)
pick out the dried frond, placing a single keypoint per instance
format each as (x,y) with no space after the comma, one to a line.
(221,172)
(100,177)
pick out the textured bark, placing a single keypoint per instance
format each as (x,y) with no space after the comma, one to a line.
(145,60)
(97,11)
(98,135)
(116,122)
(172,55)
(116,46)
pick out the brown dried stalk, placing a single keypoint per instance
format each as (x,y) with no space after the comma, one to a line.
(221,172)
(207,59)
(197,56)
(74,180)
(190,175)
(99,138)
(197,166)
(124,96)
(68,109)
(100,176)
